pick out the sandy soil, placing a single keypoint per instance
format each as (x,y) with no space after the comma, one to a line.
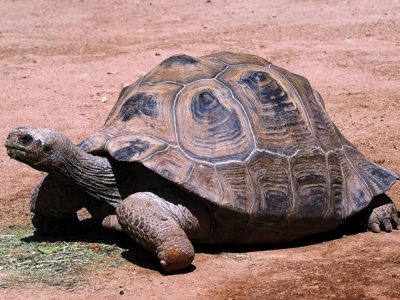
(60,58)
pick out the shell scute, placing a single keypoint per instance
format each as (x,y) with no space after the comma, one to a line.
(324,131)
(279,120)
(211,126)
(309,177)
(138,104)
(271,179)
(146,109)
(237,191)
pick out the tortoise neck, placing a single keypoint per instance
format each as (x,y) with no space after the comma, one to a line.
(92,174)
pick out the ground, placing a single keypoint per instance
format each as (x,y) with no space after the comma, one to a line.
(63,64)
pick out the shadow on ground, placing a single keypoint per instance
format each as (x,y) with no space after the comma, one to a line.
(137,255)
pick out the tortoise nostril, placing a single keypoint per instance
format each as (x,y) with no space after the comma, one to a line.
(26,139)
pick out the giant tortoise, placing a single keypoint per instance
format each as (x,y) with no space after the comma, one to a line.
(223,148)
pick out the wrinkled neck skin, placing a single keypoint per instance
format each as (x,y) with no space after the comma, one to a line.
(92,174)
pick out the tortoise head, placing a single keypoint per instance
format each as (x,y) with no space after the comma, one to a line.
(39,148)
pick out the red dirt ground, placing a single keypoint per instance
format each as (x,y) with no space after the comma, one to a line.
(60,58)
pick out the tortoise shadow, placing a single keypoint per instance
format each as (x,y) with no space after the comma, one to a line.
(348,228)
(90,234)
(137,255)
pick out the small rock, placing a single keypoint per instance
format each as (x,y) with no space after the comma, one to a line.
(380,161)
(103,99)
(158,54)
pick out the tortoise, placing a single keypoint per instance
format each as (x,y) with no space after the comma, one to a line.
(223,148)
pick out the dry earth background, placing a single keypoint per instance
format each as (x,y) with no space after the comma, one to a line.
(60,58)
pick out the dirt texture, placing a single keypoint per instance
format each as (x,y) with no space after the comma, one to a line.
(63,63)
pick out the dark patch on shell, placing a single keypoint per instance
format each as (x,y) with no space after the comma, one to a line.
(267,89)
(137,104)
(135,147)
(273,98)
(182,59)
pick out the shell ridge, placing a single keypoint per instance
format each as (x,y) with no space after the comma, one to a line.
(344,194)
(155,153)
(174,115)
(147,134)
(163,82)
(220,73)
(221,61)
(190,174)
(254,194)
(290,212)
(328,184)
(221,188)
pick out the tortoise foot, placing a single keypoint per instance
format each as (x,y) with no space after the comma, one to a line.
(384,217)
(154,224)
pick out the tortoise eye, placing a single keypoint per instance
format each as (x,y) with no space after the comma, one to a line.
(26,139)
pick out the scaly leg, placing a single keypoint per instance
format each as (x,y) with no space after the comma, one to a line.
(160,227)
(54,205)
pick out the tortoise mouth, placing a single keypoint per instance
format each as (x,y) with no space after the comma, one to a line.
(21,146)
(16,152)
(20,153)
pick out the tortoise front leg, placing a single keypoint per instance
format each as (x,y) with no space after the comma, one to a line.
(160,227)
(54,205)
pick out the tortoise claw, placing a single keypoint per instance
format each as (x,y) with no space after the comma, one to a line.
(374,227)
(387,225)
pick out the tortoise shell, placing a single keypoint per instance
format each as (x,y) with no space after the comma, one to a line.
(243,134)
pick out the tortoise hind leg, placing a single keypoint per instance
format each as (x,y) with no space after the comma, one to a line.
(160,227)
(381,214)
